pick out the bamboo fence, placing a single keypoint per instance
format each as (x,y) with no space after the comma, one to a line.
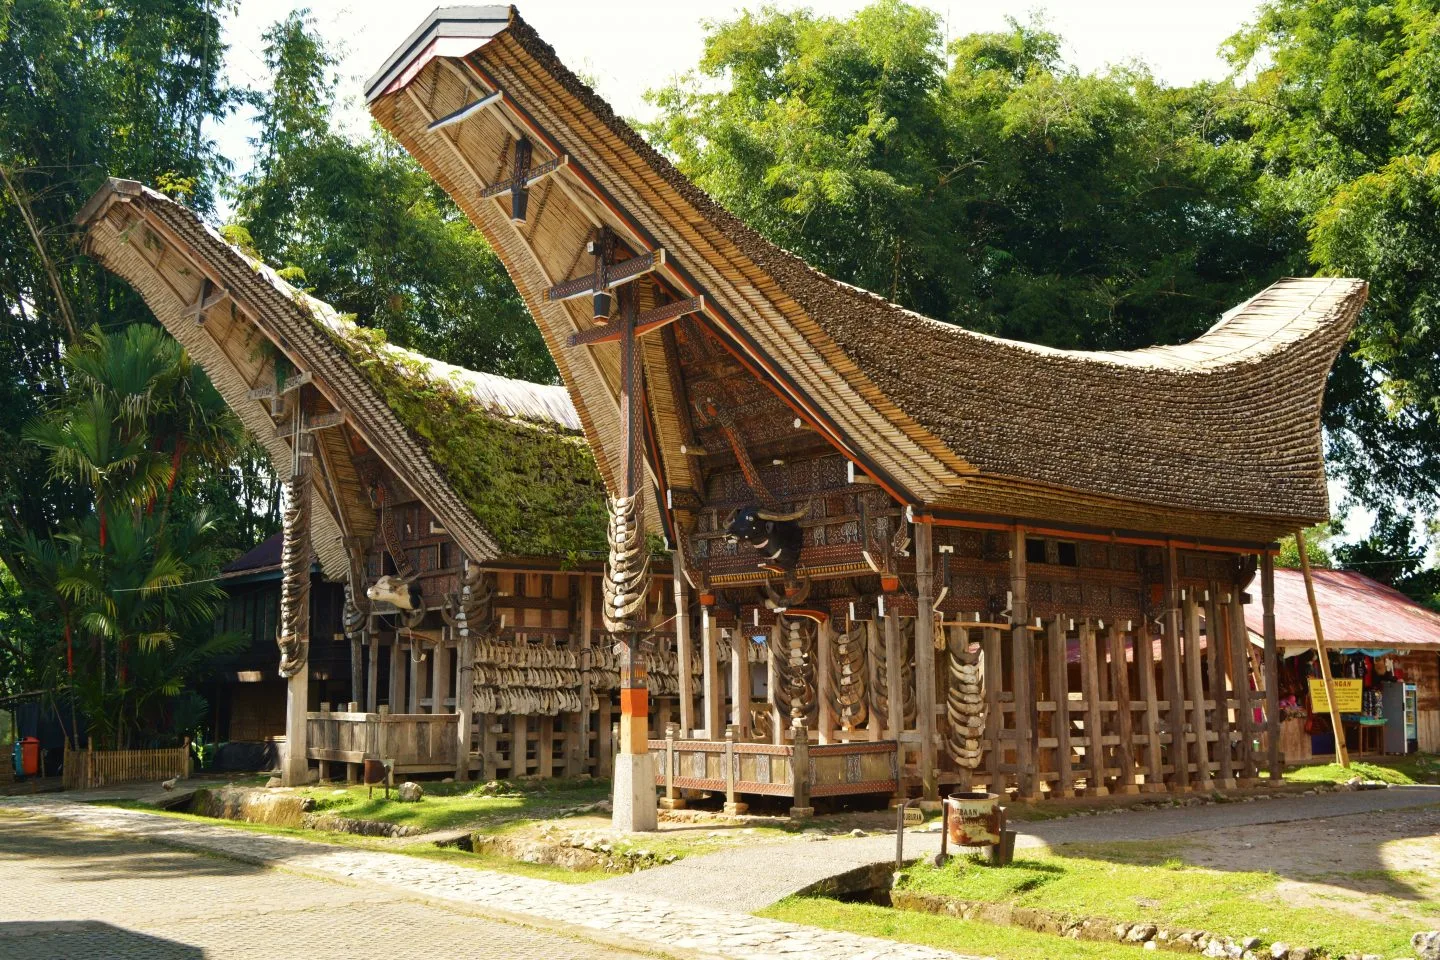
(86,769)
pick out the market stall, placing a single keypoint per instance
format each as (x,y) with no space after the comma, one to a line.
(1384,653)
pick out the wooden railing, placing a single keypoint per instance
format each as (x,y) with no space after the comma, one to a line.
(87,769)
(417,742)
(798,770)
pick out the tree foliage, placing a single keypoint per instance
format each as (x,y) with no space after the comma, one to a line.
(366,229)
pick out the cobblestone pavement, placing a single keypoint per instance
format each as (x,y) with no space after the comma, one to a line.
(379,883)
(69,893)
(759,875)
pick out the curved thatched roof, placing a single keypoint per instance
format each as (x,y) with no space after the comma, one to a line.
(501,462)
(1219,436)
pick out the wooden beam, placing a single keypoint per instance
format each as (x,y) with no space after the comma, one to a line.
(1174,682)
(466,112)
(925,660)
(1094,723)
(683,647)
(1145,676)
(1341,753)
(1023,660)
(1125,720)
(1272,668)
(739,681)
(1240,679)
(778,718)
(824,713)
(1217,645)
(894,675)
(994,719)
(1194,682)
(713,700)
(647,322)
(1060,723)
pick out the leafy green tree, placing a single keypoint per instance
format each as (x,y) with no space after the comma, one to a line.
(987,184)
(366,229)
(132,582)
(1344,108)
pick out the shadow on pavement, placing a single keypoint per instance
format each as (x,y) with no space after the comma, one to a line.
(48,939)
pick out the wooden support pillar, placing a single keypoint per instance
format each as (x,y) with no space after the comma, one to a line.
(739,680)
(994,719)
(1060,693)
(1239,637)
(779,719)
(1272,667)
(1174,684)
(1023,660)
(824,712)
(417,673)
(684,651)
(396,699)
(440,678)
(874,650)
(545,748)
(1321,654)
(714,692)
(1094,726)
(587,615)
(605,748)
(1195,687)
(372,668)
(1217,645)
(1124,719)
(357,667)
(519,745)
(894,676)
(1145,677)
(925,661)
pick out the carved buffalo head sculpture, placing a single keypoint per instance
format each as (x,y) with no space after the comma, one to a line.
(776,535)
(400,594)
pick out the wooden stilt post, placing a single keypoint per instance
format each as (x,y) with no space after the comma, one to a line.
(714,692)
(1341,753)
(1145,676)
(1124,719)
(1023,660)
(824,714)
(739,680)
(994,719)
(587,614)
(1060,693)
(1194,682)
(357,668)
(1217,643)
(1174,684)
(684,651)
(894,676)
(1094,723)
(779,720)
(417,673)
(440,677)
(396,699)
(372,667)
(925,662)
(1272,667)
(519,745)
(1240,679)
(874,650)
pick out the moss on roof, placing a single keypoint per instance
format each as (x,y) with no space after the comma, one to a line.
(532,485)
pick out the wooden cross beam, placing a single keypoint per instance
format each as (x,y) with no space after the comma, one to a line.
(466,112)
(521,177)
(210,296)
(645,322)
(275,393)
(607,275)
(320,421)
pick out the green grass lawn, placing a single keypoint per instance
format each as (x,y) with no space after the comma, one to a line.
(1415,768)
(1149,880)
(428,851)
(944,933)
(452,805)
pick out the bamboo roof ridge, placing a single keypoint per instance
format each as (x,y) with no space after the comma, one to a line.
(501,462)
(1219,436)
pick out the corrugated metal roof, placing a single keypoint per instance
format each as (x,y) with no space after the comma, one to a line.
(1355,611)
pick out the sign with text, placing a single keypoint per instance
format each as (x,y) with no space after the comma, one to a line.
(914,816)
(1348,697)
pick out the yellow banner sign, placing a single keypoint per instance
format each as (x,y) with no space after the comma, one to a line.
(1348,697)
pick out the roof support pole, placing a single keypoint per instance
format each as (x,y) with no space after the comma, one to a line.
(1195,685)
(1217,646)
(684,651)
(295,561)
(1341,753)
(714,680)
(1174,684)
(924,661)
(739,681)
(1272,666)
(1023,660)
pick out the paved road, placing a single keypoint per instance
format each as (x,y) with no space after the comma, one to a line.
(73,894)
(759,875)
(626,921)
